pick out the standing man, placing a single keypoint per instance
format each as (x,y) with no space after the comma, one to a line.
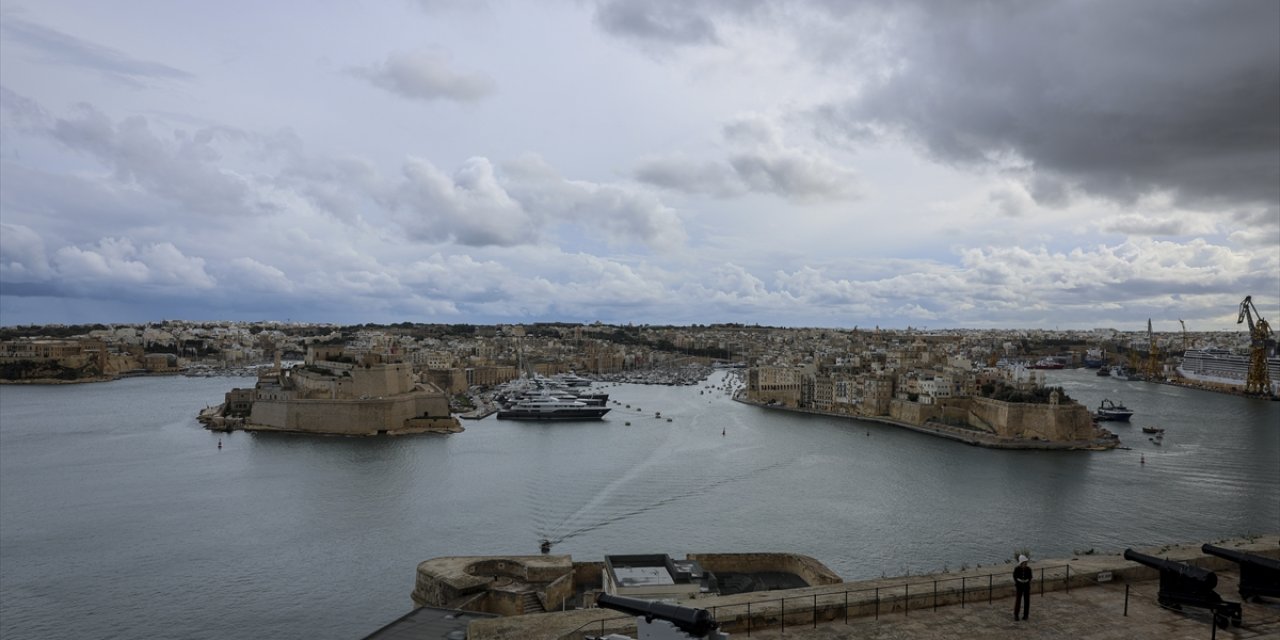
(1022,586)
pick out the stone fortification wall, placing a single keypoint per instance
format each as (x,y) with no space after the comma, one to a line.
(588,575)
(874,598)
(913,412)
(494,584)
(346,417)
(813,572)
(381,380)
(1018,420)
(1058,422)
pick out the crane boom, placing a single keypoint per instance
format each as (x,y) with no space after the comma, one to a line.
(1259,379)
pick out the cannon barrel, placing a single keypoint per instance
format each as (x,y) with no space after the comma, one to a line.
(695,622)
(1259,575)
(1189,576)
(1241,557)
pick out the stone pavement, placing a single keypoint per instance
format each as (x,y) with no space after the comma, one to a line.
(1092,613)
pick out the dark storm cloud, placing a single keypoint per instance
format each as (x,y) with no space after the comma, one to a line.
(59,47)
(1117,98)
(1114,99)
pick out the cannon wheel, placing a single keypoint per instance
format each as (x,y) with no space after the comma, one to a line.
(1221,619)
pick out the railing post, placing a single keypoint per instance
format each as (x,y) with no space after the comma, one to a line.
(815,611)
(846,607)
(1126,599)
(935,595)
(1068,578)
(748,619)
(963,591)
(989,587)
(906,600)
(784,615)
(1041,582)
(877,603)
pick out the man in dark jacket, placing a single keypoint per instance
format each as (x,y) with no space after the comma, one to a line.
(1022,588)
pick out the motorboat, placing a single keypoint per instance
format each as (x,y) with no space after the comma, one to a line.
(1112,411)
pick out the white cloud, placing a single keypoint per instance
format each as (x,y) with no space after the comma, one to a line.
(470,207)
(22,255)
(757,161)
(425,75)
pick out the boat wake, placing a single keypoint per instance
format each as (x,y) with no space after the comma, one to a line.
(634,494)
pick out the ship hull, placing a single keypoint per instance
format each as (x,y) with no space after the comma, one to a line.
(586,413)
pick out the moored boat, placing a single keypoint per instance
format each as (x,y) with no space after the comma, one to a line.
(1109,410)
(548,407)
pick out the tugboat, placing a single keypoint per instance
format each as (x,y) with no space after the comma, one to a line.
(1152,429)
(1111,411)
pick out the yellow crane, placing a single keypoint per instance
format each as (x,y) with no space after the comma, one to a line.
(1186,344)
(1259,380)
(1153,359)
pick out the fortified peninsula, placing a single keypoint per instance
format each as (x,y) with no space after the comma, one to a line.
(333,393)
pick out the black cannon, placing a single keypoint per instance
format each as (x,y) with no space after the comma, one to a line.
(697,623)
(1259,575)
(1182,584)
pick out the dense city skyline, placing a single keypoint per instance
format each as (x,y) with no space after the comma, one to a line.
(988,165)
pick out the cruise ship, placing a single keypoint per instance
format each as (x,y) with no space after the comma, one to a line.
(1222,366)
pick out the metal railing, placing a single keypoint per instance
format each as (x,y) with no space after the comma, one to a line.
(810,609)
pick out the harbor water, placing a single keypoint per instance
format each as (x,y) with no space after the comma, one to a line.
(120,517)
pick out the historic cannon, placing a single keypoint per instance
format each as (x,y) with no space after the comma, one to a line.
(1259,575)
(1184,585)
(694,623)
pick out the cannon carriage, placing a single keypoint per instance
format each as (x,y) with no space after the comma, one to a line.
(1259,575)
(1182,585)
(664,620)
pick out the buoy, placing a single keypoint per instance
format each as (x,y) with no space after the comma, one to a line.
(721,431)
(219,443)
(1143,459)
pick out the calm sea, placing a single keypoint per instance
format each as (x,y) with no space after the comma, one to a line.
(121,518)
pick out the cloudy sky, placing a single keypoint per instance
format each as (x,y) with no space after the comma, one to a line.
(990,163)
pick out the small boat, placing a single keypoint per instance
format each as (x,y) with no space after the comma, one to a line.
(1103,372)
(1152,430)
(1109,410)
